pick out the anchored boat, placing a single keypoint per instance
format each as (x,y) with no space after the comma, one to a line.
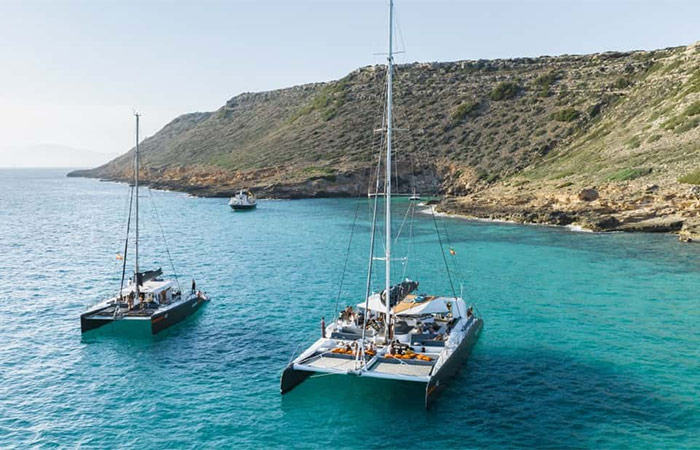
(244,200)
(396,334)
(147,299)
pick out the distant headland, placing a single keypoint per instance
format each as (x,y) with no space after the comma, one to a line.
(607,141)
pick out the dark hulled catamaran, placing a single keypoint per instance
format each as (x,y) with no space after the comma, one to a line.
(147,299)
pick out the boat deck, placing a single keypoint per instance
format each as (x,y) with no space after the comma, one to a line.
(135,313)
(331,362)
(403,368)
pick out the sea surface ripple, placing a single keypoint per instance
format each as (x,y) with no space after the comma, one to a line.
(590,340)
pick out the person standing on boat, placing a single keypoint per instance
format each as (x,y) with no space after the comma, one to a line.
(323,327)
(194,286)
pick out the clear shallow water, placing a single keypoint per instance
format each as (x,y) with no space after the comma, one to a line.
(590,341)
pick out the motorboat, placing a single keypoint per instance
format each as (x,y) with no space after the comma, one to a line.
(243,200)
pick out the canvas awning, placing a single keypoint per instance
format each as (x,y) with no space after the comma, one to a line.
(411,307)
(431,305)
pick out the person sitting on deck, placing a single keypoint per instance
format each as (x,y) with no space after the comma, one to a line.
(470,311)
(349,314)
(418,328)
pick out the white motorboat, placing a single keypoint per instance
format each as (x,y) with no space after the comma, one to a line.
(243,200)
(395,334)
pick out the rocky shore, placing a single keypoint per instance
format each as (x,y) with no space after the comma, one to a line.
(630,208)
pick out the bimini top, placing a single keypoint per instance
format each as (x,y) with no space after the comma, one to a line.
(154,287)
(414,305)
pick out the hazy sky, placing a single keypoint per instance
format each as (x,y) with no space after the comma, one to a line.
(73,70)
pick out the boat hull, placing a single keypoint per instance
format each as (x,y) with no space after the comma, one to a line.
(88,323)
(243,207)
(162,320)
(158,322)
(292,378)
(438,381)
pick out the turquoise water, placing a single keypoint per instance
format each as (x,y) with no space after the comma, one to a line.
(590,340)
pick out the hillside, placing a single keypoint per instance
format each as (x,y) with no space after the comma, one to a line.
(515,139)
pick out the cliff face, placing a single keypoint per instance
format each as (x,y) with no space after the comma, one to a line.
(516,139)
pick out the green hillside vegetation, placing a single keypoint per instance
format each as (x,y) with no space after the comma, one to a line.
(557,121)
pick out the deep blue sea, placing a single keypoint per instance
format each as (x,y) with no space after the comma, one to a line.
(590,340)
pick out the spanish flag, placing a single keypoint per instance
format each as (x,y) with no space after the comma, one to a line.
(120,257)
(452,252)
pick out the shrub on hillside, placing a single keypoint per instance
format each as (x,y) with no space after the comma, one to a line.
(630,173)
(505,91)
(470,108)
(566,115)
(544,83)
(691,178)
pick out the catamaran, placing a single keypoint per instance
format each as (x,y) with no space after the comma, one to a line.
(147,299)
(396,334)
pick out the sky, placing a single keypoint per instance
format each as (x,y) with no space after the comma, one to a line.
(73,71)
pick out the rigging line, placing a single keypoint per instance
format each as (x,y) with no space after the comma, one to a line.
(442,250)
(369,272)
(455,259)
(371,208)
(379,163)
(408,247)
(165,241)
(412,242)
(126,243)
(397,23)
(403,222)
(347,256)
(122,224)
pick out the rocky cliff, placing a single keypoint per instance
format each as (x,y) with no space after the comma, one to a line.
(608,141)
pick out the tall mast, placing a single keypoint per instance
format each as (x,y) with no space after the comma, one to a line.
(136,186)
(387,181)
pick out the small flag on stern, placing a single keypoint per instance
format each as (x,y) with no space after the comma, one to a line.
(120,257)
(452,252)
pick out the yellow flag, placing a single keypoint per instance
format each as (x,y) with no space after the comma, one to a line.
(452,252)
(120,257)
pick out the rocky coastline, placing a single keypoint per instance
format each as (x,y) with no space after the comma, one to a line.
(610,208)
(626,207)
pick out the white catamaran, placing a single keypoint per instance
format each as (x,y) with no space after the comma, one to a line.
(395,334)
(147,298)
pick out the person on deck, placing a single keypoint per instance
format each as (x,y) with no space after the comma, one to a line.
(194,286)
(323,327)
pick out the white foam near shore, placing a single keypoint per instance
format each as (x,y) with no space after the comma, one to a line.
(578,228)
(571,227)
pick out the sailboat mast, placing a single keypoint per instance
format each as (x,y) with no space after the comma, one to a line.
(136,189)
(387,181)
